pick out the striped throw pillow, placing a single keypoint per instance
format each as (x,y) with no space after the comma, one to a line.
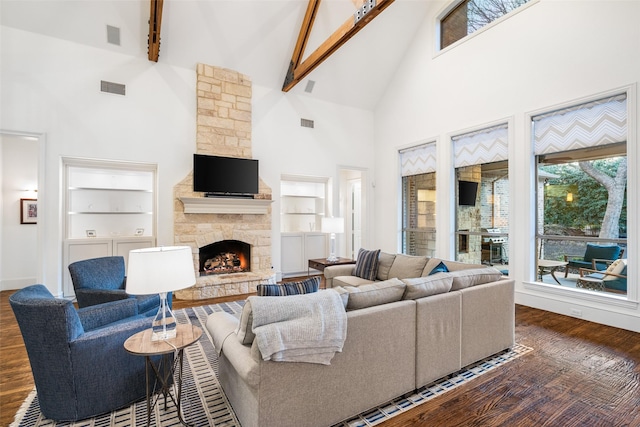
(306,286)
(367,264)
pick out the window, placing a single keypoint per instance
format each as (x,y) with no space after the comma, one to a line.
(581,193)
(482,196)
(471,15)
(419,200)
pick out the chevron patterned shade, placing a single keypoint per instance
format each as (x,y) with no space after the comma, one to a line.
(587,125)
(487,145)
(418,160)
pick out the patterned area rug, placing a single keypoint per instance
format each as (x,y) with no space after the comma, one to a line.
(204,402)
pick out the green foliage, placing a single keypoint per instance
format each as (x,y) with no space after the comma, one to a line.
(587,209)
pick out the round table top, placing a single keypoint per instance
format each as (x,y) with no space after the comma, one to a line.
(551,263)
(141,344)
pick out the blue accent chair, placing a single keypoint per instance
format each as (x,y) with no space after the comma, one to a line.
(595,258)
(100,280)
(78,361)
(610,281)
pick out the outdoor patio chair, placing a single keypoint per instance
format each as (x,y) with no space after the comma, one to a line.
(613,278)
(596,257)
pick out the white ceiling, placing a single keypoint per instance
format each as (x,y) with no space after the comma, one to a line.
(254,37)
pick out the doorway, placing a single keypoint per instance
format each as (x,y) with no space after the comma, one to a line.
(20,254)
(352,206)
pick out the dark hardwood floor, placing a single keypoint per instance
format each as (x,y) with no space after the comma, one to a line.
(579,374)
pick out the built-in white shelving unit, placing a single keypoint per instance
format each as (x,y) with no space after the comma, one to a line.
(110,209)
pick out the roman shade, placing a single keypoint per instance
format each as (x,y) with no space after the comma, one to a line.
(418,160)
(590,124)
(486,145)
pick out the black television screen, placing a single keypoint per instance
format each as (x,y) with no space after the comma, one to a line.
(467,191)
(218,176)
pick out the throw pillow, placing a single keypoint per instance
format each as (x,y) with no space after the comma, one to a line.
(421,287)
(245,332)
(306,286)
(374,294)
(616,267)
(440,268)
(367,264)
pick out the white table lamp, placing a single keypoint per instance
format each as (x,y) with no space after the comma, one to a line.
(158,271)
(333,226)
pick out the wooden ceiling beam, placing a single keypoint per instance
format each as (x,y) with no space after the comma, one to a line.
(155,22)
(299,70)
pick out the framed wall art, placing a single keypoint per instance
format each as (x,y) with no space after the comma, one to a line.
(28,211)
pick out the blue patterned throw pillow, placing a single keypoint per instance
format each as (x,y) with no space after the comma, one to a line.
(440,268)
(367,264)
(306,286)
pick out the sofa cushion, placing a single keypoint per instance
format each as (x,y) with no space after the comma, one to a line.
(616,267)
(367,264)
(350,281)
(385,261)
(474,276)
(244,331)
(421,287)
(310,285)
(407,266)
(376,293)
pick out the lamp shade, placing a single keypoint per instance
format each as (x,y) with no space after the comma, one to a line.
(333,225)
(161,269)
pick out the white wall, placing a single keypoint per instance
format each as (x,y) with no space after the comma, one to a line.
(549,53)
(19,179)
(52,86)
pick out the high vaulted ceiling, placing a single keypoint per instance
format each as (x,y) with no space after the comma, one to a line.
(254,37)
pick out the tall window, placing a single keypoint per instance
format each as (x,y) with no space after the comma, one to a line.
(482,196)
(419,200)
(582,205)
(471,15)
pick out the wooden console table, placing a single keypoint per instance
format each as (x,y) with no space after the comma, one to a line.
(321,263)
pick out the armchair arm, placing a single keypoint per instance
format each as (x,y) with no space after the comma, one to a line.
(586,271)
(568,257)
(99,315)
(87,297)
(595,261)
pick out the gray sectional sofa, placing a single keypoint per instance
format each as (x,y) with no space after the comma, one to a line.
(404,330)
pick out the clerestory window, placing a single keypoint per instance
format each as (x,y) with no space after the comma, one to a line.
(471,15)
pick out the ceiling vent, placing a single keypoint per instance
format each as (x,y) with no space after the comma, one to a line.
(309,87)
(110,87)
(113,35)
(306,123)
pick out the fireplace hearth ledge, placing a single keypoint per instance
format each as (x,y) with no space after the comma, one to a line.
(221,285)
(223,205)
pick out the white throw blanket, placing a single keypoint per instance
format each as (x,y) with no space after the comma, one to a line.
(300,328)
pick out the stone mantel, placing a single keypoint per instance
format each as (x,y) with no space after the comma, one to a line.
(224,205)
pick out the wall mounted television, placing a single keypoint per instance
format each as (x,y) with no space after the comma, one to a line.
(225,176)
(467,192)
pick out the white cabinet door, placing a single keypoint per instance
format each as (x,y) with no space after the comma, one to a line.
(315,246)
(123,246)
(298,248)
(292,252)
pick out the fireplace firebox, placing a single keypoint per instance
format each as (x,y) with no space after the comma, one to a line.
(224,257)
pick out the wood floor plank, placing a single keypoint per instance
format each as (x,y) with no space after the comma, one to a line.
(578,374)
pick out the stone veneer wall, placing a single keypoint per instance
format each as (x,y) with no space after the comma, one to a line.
(223,129)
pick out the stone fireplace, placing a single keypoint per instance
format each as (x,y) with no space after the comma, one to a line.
(218,228)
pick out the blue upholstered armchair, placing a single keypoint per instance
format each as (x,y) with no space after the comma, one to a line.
(595,258)
(99,280)
(77,358)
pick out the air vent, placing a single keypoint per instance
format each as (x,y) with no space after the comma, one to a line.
(306,123)
(309,87)
(110,87)
(113,35)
